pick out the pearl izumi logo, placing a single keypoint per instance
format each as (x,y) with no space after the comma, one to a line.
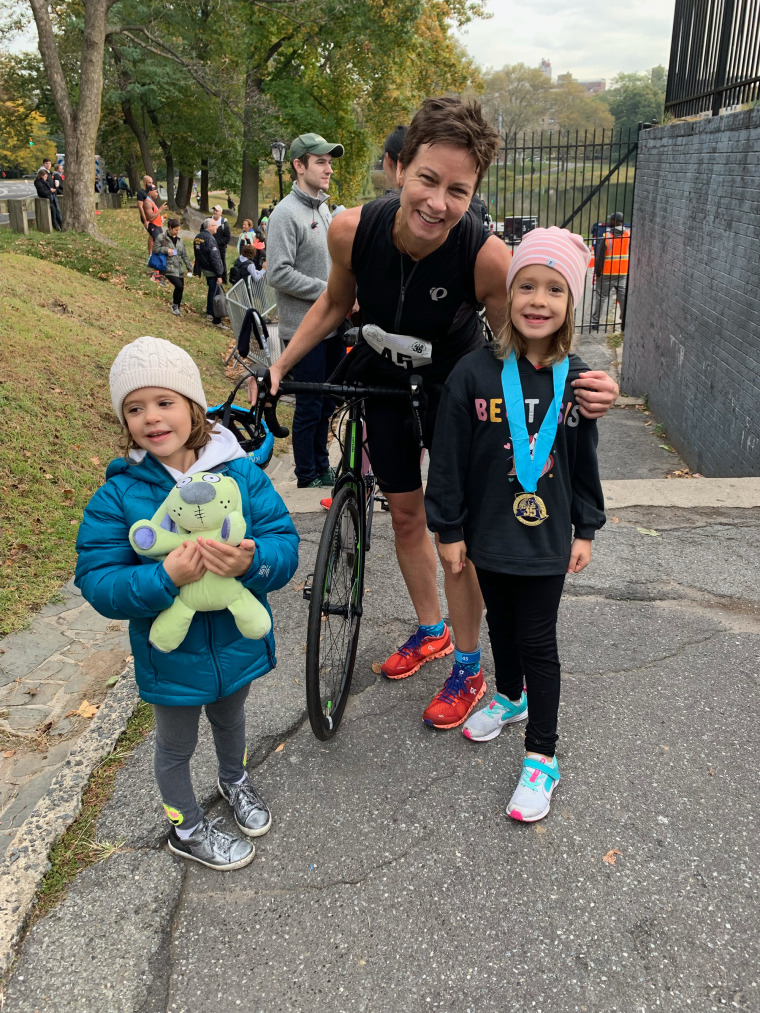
(438,293)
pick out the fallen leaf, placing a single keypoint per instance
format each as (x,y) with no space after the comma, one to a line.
(8,753)
(299,587)
(667,447)
(709,770)
(113,680)
(377,667)
(32,691)
(280,748)
(27,453)
(615,520)
(86,710)
(611,856)
(68,493)
(48,475)
(95,460)
(648,531)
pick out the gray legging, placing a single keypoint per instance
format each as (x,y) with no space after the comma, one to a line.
(176,739)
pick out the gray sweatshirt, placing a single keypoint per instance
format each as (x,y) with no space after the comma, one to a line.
(298,263)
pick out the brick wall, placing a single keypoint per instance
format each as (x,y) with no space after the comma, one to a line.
(692,337)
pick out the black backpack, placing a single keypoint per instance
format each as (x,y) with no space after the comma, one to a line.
(237,271)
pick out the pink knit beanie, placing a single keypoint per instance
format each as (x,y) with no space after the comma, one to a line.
(560,249)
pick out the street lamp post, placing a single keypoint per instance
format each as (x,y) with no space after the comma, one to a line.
(278,154)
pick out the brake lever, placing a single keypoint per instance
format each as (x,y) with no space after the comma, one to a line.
(266,405)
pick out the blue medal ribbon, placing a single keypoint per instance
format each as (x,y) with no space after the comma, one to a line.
(529,466)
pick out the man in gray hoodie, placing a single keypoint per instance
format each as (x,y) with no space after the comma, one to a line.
(298,266)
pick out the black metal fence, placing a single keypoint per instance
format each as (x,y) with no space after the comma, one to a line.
(574,180)
(714,56)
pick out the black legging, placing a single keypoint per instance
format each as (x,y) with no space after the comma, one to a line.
(521,613)
(179,287)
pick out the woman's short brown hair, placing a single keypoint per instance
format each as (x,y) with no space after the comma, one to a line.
(200,432)
(449,120)
(509,339)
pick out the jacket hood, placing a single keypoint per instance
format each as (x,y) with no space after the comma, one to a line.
(222,448)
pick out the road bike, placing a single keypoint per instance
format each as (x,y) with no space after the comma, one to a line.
(335,589)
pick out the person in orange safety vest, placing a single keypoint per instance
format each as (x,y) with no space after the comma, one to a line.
(611,252)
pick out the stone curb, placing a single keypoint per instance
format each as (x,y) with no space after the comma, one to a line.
(26,860)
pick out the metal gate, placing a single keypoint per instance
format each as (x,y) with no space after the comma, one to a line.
(573,180)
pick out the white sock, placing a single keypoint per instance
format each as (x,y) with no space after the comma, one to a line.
(185,833)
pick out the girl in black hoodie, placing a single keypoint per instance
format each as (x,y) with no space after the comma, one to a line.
(514,490)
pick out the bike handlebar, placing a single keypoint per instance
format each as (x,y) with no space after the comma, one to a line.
(340,391)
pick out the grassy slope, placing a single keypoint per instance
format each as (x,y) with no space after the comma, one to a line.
(61,331)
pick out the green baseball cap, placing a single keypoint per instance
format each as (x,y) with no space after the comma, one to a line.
(314,144)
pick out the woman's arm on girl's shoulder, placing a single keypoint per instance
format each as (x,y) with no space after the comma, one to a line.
(276,556)
(109,573)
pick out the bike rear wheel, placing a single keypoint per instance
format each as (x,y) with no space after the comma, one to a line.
(334,614)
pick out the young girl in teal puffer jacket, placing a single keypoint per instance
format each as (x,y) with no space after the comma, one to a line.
(157,394)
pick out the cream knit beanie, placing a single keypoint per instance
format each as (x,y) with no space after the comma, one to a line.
(153,362)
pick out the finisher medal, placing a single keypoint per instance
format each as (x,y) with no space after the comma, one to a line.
(529,508)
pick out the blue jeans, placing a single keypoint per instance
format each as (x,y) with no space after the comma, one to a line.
(211,282)
(312,414)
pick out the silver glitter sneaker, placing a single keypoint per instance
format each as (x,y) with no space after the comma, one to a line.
(213,847)
(251,813)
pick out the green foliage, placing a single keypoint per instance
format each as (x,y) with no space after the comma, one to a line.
(637,98)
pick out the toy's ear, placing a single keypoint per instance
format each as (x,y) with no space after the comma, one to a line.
(162,519)
(168,524)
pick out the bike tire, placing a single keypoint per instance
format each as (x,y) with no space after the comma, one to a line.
(334,614)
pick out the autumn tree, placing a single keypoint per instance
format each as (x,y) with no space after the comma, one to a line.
(637,98)
(77,99)
(516,98)
(574,110)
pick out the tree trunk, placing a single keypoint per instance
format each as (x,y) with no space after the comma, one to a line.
(134,181)
(248,206)
(131,121)
(80,124)
(184,189)
(203,198)
(170,181)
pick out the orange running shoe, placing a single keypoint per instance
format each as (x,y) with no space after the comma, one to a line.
(416,651)
(457,699)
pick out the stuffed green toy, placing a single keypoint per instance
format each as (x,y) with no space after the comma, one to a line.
(204,505)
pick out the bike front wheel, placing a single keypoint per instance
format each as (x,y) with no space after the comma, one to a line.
(334,614)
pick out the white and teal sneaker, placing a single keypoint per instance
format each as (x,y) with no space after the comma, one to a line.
(533,793)
(486,724)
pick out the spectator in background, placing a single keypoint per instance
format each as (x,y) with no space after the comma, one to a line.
(251,261)
(223,236)
(142,193)
(153,215)
(247,236)
(171,244)
(124,185)
(44,192)
(611,251)
(208,264)
(55,179)
(299,265)
(393,144)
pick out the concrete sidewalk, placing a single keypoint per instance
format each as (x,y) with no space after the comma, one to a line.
(386,879)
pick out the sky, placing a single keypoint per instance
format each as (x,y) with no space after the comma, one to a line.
(591,39)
